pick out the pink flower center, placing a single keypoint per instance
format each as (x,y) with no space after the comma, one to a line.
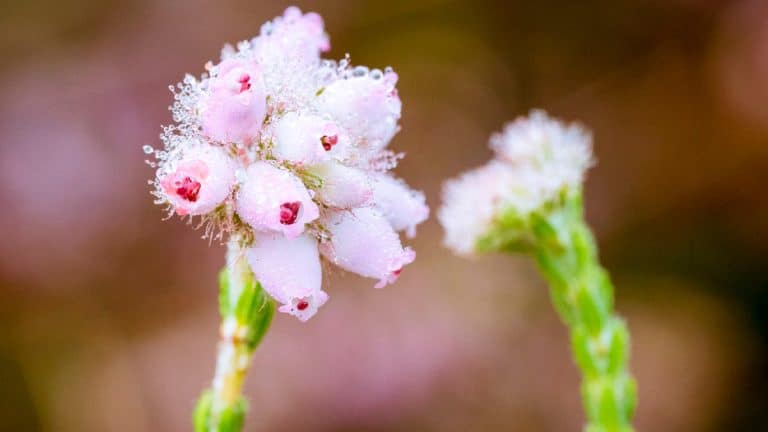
(329,141)
(244,81)
(302,304)
(289,212)
(188,188)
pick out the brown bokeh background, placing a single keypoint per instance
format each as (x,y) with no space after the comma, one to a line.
(108,319)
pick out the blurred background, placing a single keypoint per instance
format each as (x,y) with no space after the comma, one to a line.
(108,320)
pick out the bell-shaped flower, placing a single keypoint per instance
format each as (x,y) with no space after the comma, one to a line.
(363,242)
(367,105)
(235,103)
(343,187)
(289,270)
(199,182)
(273,199)
(403,207)
(294,35)
(306,139)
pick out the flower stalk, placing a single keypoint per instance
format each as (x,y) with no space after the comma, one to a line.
(528,199)
(246,312)
(582,294)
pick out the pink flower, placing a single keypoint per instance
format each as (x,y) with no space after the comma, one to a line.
(307,139)
(294,35)
(273,199)
(289,270)
(199,182)
(368,106)
(362,242)
(403,207)
(343,187)
(235,103)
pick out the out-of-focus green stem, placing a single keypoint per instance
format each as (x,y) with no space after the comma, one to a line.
(582,293)
(246,313)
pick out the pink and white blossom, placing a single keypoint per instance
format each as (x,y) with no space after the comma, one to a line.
(343,187)
(403,207)
(368,105)
(289,270)
(307,139)
(199,182)
(274,199)
(234,105)
(363,242)
(294,35)
(272,137)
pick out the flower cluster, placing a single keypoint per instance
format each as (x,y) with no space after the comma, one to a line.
(288,152)
(536,159)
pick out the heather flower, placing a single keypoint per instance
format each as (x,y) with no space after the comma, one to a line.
(528,199)
(363,242)
(289,270)
(403,207)
(559,152)
(306,139)
(274,199)
(343,187)
(293,35)
(300,137)
(472,202)
(199,182)
(234,106)
(367,104)
(283,155)
(537,159)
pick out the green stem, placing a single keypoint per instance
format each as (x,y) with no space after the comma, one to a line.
(246,313)
(582,293)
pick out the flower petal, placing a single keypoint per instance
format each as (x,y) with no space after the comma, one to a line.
(273,199)
(363,242)
(403,207)
(289,270)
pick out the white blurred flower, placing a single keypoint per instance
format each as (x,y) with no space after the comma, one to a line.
(561,152)
(537,158)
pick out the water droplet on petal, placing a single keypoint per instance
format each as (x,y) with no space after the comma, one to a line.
(360,71)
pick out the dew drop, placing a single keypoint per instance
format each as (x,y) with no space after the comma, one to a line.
(360,71)
(148,149)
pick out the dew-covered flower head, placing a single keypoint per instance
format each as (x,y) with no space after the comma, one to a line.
(560,152)
(537,160)
(288,152)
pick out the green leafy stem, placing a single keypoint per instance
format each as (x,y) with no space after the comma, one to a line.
(246,313)
(582,293)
